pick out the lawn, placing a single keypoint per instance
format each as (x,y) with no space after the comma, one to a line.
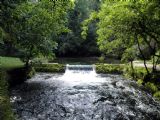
(10,62)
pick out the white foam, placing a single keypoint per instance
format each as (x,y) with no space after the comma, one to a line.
(78,74)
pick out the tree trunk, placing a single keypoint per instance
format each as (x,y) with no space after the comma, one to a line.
(133,75)
(29,56)
(144,59)
(154,64)
(27,63)
(157,61)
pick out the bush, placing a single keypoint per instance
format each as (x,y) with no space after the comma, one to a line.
(30,72)
(139,72)
(50,68)
(36,61)
(151,87)
(157,95)
(101,59)
(109,68)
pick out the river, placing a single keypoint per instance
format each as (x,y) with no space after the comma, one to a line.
(82,95)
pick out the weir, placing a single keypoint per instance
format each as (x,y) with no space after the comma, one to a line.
(79,73)
(80,68)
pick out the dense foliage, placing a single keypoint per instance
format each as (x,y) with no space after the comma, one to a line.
(72,44)
(129,29)
(31,27)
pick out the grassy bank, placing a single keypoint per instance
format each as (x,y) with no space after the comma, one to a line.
(15,70)
(10,63)
(6,64)
(5,107)
(109,68)
(12,72)
(56,68)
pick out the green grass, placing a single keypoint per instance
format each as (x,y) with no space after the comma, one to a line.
(10,62)
(57,68)
(157,95)
(109,68)
(152,87)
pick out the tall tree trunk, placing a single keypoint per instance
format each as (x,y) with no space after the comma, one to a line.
(27,63)
(154,64)
(144,59)
(157,61)
(133,75)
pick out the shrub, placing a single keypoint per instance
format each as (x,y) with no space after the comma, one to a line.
(139,81)
(151,87)
(139,72)
(39,61)
(101,59)
(157,95)
(30,72)
(108,68)
(50,68)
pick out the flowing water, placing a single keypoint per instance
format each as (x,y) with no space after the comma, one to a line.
(81,94)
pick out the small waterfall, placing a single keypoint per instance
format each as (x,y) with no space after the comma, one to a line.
(79,73)
(80,68)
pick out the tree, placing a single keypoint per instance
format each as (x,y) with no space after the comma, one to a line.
(35,25)
(72,44)
(6,21)
(126,21)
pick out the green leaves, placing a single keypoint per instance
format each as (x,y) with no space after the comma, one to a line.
(120,21)
(35,25)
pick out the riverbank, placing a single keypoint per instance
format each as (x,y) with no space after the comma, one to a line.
(7,64)
(12,72)
(50,67)
(6,112)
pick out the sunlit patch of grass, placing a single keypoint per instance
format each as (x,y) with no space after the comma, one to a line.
(157,95)
(10,62)
(139,81)
(151,86)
